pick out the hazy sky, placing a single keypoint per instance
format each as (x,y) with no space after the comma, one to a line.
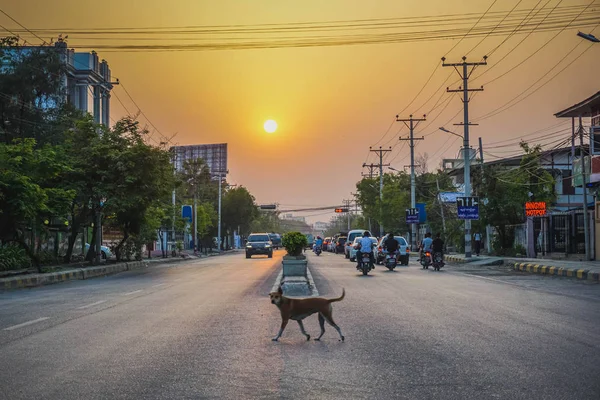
(331,103)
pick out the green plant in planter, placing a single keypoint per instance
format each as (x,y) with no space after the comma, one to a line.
(294,243)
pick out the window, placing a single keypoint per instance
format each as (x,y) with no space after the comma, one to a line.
(567,183)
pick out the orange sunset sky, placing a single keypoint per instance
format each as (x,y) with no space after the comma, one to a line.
(331,103)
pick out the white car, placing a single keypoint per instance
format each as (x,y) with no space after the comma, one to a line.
(353,234)
(106,253)
(354,249)
(403,249)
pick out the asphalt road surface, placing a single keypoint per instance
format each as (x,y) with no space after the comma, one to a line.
(203,329)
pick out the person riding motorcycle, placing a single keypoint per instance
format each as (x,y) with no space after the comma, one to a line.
(318,243)
(390,244)
(365,246)
(437,245)
(426,246)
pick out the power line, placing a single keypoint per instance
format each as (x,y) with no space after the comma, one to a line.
(473,27)
(22,26)
(496,27)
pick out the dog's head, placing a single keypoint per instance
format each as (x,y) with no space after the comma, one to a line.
(276,297)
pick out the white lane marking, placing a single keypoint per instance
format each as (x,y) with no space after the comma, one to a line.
(134,292)
(160,284)
(91,305)
(35,321)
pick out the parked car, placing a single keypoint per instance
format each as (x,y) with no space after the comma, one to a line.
(402,249)
(354,249)
(353,234)
(259,243)
(106,253)
(276,240)
(326,243)
(339,245)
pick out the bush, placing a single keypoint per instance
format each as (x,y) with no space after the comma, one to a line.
(13,257)
(294,243)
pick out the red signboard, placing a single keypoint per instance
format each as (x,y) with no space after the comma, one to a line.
(535,208)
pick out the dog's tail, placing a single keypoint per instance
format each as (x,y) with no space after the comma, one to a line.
(339,298)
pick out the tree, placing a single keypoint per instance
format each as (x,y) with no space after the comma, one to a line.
(140,174)
(29,192)
(506,191)
(238,209)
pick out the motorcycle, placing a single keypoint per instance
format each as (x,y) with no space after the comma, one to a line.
(365,263)
(318,250)
(438,260)
(425,259)
(391,261)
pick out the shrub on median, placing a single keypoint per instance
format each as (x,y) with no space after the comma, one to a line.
(294,243)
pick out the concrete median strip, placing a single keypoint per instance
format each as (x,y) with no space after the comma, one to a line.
(18,282)
(582,274)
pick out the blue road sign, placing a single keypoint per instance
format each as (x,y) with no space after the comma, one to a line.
(412,215)
(186,212)
(467,207)
(422,213)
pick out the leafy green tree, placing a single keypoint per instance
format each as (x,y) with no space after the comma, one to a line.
(29,192)
(238,209)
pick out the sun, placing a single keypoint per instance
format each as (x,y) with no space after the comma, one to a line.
(270,126)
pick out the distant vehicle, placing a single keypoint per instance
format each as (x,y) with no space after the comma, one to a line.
(403,250)
(339,245)
(355,247)
(326,243)
(105,251)
(353,234)
(276,240)
(259,243)
(310,239)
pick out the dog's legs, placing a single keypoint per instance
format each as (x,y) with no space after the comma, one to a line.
(329,320)
(322,325)
(283,324)
(302,329)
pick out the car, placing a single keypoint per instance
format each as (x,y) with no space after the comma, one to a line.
(339,245)
(106,253)
(259,243)
(326,243)
(353,234)
(276,240)
(403,249)
(355,247)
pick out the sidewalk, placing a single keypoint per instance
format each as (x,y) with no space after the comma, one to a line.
(585,270)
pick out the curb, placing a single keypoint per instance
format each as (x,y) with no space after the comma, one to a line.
(309,280)
(460,260)
(73,274)
(581,274)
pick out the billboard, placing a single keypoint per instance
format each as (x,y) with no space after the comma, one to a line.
(214,155)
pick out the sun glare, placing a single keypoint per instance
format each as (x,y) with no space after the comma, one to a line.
(270,126)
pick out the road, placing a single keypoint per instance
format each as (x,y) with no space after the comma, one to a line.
(203,329)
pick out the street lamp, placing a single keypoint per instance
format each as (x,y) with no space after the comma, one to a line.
(588,36)
(441,128)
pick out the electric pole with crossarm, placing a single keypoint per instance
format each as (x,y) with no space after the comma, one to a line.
(410,124)
(381,152)
(465,75)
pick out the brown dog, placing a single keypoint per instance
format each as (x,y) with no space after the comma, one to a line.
(298,309)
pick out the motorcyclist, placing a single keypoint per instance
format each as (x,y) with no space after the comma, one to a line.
(318,243)
(438,245)
(390,244)
(426,246)
(365,246)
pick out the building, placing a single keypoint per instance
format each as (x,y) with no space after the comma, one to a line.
(291,217)
(214,155)
(320,227)
(87,80)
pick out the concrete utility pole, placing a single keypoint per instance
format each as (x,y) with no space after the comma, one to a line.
(437,182)
(586,222)
(488,228)
(465,75)
(347,205)
(410,124)
(381,152)
(220,175)
(371,168)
